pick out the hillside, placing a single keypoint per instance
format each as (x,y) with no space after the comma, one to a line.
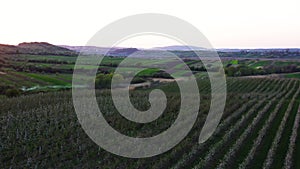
(36,48)
(114,51)
(87,49)
(178,48)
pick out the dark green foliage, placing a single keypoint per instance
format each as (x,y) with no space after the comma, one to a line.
(136,80)
(242,71)
(12,92)
(104,80)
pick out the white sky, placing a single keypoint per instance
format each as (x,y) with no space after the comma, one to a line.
(226,23)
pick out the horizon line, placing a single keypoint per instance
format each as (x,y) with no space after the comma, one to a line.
(146,48)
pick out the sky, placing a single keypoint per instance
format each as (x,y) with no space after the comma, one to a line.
(226,24)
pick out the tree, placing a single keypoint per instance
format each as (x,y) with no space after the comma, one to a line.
(230,71)
(104,80)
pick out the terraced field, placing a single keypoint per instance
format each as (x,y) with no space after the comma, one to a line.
(259,129)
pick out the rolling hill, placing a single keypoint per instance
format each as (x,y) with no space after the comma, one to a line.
(36,48)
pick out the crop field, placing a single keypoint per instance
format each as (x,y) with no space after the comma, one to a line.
(87,85)
(26,79)
(45,70)
(259,129)
(33,72)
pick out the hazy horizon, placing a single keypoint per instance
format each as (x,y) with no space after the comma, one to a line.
(152,47)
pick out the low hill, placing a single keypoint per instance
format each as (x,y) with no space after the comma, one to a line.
(114,51)
(123,52)
(36,48)
(179,48)
(87,49)
(8,49)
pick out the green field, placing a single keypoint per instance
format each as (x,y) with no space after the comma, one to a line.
(260,63)
(39,71)
(293,75)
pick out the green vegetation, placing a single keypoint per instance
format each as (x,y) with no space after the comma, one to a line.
(40,128)
(104,80)
(28,70)
(47,78)
(235,62)
(12,92)
(293,75)
(261,63)
(48,134)
(260,67)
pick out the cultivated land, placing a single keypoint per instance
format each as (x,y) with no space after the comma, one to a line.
(39,127)
(258,128)
(41,72)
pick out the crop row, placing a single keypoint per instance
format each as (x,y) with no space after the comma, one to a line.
(242,137)
(271,153)
(221,129)
(263,132)
(292,144)
(239,142)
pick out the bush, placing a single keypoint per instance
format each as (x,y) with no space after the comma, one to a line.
(136,80)
(12,92)
(104,80)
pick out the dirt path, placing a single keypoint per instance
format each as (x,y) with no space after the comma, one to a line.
(163,80)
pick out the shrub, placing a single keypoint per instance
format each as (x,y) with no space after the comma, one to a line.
(104,80)
(12,92)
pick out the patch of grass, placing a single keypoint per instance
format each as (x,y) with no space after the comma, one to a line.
(285,63)
(292,75)
(47,78)
(261,63)
(148,72)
